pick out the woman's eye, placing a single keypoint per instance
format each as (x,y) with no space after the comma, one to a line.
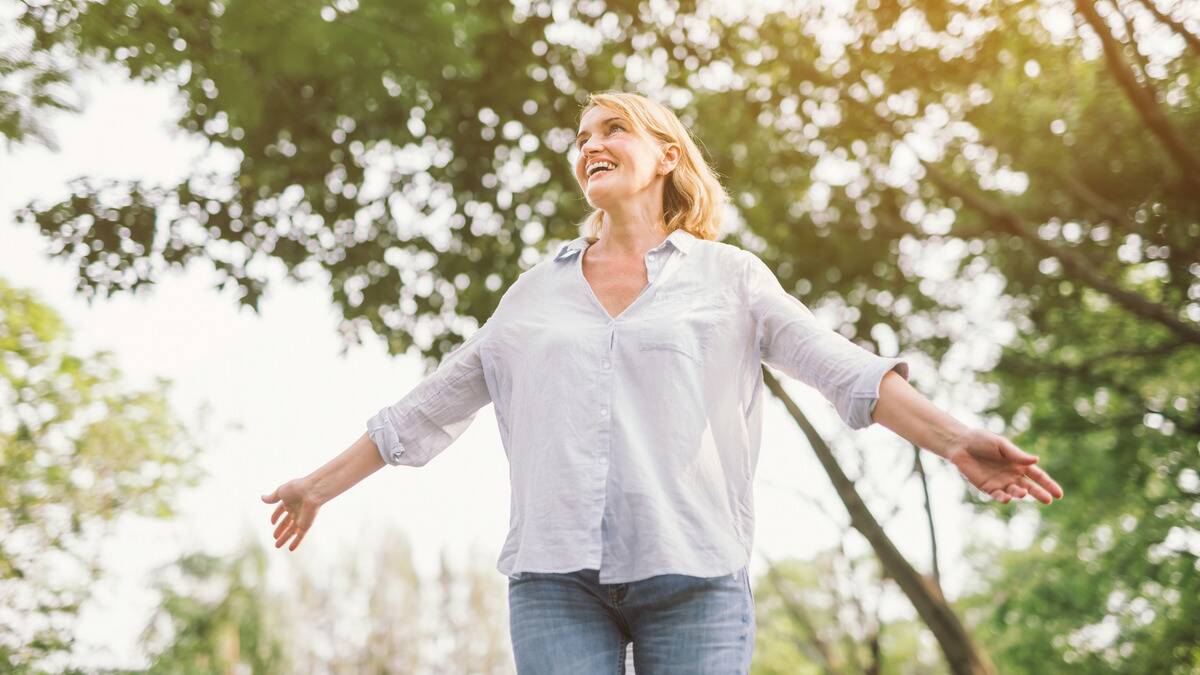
(580,142)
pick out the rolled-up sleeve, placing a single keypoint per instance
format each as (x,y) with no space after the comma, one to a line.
(438,410)
(791,340)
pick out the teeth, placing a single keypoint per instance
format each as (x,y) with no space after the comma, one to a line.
(591,170)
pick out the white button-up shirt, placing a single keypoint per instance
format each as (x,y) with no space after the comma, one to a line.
(632,440)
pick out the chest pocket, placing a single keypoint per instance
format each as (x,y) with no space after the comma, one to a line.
(684,321)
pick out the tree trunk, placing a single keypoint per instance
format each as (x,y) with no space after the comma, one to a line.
(962,655)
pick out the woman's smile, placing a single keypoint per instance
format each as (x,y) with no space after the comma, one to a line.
(599,173)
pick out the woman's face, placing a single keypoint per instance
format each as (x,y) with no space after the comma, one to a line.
(605,134)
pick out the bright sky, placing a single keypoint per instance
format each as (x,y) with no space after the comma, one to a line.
(298,403)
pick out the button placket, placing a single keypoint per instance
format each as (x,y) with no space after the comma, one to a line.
(604,445)
(606,364)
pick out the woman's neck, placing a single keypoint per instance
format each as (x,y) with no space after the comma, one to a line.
(629,241)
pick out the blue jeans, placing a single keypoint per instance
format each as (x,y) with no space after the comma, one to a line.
(571,623)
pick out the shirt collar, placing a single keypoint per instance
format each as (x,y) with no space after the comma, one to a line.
(680,239)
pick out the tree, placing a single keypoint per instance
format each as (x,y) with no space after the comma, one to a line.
(78,449)
(32,84)
(217,616)
(474,615)
(373,614)
(822,616)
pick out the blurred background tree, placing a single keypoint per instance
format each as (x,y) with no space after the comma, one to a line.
(217,616)
(371,616)
(1006,189)
(79,448)
(374,615)
(822,617)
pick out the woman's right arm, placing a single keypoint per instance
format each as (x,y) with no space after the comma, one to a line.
(303,497)
(409,432)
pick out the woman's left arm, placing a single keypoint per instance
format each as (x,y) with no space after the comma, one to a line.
(989,461)
(791,339)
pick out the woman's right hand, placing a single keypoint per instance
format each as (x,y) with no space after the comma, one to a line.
(300,502)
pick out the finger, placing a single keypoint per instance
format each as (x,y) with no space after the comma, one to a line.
(299,538)
(283,525)
(280,541)
(305,520)
(1011,451)
(1039,493)
(1016,490)
(1044,479)
(278,510)
(1000,495)
(271,498)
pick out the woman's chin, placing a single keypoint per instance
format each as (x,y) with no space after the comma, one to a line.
(600,196)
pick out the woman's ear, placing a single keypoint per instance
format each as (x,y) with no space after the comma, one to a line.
(669,158)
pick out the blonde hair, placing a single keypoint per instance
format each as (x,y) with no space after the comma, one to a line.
(693,197)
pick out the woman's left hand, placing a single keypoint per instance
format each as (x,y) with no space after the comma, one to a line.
(1000,469)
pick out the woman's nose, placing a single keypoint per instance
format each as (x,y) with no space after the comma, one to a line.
(589,144)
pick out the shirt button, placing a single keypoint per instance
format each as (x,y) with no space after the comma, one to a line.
(604,412)
(605,363)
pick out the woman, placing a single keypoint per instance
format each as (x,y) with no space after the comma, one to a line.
(625,373)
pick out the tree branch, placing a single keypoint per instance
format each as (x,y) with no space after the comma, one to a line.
(1142,63)
(795,609)
(1007,220)
(1142,99)
(871,628)
(919,467)
(962,655)
(791,638)
(1188,36)
(1073,262)
(1090,197)
(1024,364)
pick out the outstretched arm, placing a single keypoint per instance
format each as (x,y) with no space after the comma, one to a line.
(989,461)
(854,380)
(409,432)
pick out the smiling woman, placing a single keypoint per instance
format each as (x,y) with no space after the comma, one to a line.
(626,373)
